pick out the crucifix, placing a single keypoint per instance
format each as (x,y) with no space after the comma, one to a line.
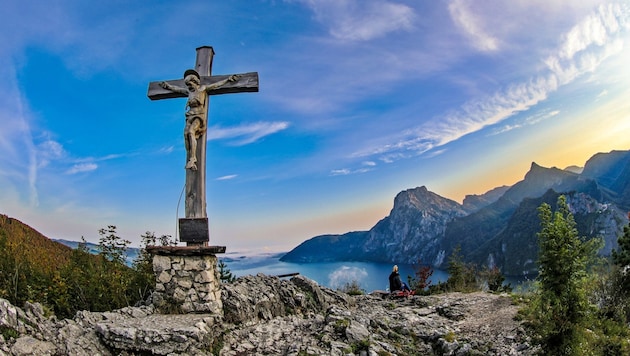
(197,85)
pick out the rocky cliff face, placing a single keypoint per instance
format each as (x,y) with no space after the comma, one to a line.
(497,228)
(413,229)
(515,248)
(411,232)
(271,316)
(329,248)
(612,172)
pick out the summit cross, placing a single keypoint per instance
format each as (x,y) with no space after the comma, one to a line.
(197,85)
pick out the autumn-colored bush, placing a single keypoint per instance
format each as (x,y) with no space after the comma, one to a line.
(35,268)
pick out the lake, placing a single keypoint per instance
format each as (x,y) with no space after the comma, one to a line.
(370,276)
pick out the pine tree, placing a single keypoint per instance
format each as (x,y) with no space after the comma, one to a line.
(561,306)
(621,256)
(462,276)
(619,293)
(225,275)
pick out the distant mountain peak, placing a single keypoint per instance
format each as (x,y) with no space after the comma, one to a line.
(474,202)
(538,169)
(497,228)
(420,198)
(551,176)
(574,169)
(417,191)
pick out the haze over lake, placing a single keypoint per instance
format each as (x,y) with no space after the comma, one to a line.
(370,276)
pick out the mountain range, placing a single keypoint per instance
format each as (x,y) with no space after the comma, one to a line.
(130,254)
(497,228)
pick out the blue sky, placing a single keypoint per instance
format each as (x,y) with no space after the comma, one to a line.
(358,101)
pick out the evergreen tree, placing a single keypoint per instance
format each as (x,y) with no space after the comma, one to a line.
(619,291)
(621,256)
(561,306)
(462,276)
(494,279)
(225,275)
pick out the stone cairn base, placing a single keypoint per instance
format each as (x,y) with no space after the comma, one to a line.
(187,279)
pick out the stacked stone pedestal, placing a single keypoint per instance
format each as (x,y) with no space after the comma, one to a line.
(187,279)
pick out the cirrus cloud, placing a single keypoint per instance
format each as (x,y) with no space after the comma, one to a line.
(355,20)
(582,49)
(472,26)
(82,167)
(228,177)
(246,134)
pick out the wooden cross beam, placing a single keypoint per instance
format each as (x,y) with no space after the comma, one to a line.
(247,82)
(197,85)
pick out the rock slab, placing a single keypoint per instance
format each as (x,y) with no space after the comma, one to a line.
(274,316)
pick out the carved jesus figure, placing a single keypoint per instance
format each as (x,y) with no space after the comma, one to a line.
(196,110)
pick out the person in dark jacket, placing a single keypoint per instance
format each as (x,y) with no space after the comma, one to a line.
(394,280)
(395,283)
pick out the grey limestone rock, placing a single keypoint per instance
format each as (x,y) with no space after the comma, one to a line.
(27,345)
(270,315)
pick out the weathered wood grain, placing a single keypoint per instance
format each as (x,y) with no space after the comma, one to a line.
(246,83)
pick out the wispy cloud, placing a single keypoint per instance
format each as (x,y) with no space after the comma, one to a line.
(356,20)
(340,172)
(472,26)
(589,43)
(538,118)
(166,150)
(24,151)
(530,120)
(89,164)
(248,133)
(594,29)
(49,150)
(582,50)
(112,156)
(18,153)
(366,166)
(82,168)
(90,43)
(228,177)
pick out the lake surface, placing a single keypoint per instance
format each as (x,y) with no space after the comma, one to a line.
(370,276)
(334,275)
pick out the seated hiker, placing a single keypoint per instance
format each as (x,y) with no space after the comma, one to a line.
(405,287)
(394,280)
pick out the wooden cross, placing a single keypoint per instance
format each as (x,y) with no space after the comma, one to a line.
(197,85)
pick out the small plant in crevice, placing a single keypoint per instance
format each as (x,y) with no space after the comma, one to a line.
(352,288)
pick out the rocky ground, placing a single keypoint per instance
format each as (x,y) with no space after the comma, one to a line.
(265,315)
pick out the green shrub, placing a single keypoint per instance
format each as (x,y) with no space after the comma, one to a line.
(494,279)
(559,311)
(462,276)
(363,345)
(450,336)
(8,333)
(352,288)
(341,325)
